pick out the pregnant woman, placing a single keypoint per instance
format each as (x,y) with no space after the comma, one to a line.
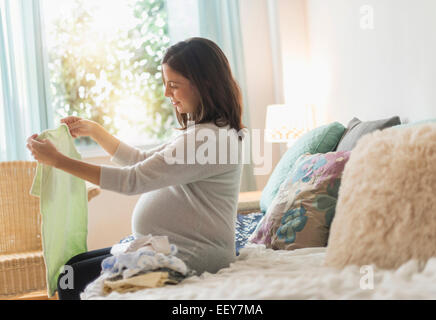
(190,197)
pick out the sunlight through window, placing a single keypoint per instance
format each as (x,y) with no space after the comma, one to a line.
(104,61)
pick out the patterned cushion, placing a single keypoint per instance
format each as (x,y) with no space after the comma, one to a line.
(301,213)
(319,140)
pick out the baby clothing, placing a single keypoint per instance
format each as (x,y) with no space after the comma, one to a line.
(152,264)
(156,243)
(128,263)
(63,207)
(144,281)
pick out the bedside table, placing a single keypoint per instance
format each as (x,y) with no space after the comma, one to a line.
(249,202)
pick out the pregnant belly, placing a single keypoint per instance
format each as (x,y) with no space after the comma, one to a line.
(163,212)
(202,246)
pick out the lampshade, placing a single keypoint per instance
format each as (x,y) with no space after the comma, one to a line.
(286,123)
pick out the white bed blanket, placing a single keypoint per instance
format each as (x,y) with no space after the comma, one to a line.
(260,273)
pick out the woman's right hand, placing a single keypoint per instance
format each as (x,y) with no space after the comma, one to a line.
(79,127)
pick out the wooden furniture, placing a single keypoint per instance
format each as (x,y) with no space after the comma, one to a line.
(22,268)
(35,295)
(249,202)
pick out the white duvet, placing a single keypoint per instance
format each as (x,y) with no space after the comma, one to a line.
(260,273)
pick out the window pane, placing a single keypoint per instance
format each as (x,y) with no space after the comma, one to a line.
(105,65)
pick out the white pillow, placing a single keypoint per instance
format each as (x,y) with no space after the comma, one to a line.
(386,209)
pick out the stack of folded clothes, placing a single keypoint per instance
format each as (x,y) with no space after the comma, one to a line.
(144,262)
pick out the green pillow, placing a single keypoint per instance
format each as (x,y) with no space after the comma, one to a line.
(320,140)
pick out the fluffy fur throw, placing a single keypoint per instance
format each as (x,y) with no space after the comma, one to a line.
(386,209)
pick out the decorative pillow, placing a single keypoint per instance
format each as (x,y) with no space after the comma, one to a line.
(417,123)
(302,211)
(356,129)
(320,140)
(386,211)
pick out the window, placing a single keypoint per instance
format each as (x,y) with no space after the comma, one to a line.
(104,64)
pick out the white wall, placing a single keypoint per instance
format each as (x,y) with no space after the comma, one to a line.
(259,71)
(109,214)
(380,72)
(293,35)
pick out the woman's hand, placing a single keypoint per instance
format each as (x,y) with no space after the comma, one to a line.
(80,127)
(43,151)
(86,128)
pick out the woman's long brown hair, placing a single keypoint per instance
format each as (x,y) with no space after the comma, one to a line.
(205,65)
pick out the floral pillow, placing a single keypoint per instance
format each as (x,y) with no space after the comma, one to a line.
(301,213)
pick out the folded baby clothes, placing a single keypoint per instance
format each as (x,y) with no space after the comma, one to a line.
(156,243)
(152,265)
(140,282)
(175,276)
(157,253)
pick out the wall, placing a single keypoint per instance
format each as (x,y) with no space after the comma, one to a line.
(291,16)
(375,72)
(259,72)
(109,214)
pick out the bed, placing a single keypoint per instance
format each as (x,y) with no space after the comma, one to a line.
(262,274)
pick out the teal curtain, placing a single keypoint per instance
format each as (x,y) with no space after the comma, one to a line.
(219,21)
(23,92)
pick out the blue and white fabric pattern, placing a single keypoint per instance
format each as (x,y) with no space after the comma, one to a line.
(245,226)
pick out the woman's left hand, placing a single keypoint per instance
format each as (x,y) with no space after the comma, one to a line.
(43,151)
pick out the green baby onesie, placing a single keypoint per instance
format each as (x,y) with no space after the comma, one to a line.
(63,206)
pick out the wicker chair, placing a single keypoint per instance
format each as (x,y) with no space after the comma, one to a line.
(22,268)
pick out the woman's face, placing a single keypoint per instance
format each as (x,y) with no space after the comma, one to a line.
(184,96)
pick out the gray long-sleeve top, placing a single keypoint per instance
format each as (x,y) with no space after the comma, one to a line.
(191,197)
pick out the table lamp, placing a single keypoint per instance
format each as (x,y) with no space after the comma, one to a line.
(285,124)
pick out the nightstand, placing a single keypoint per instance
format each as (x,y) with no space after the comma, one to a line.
(249,202)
